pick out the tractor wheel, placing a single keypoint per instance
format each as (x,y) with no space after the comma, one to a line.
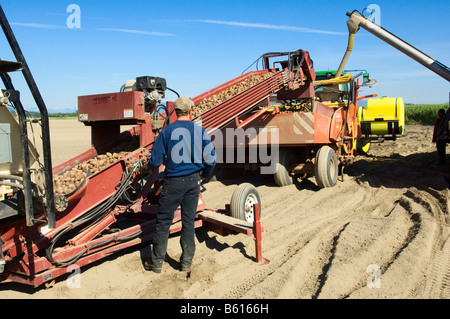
(326,167)
(285,163)
(242,201)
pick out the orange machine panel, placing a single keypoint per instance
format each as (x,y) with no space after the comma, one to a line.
(111,107)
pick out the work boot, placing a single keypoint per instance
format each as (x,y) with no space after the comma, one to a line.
(185,268)
(149,266)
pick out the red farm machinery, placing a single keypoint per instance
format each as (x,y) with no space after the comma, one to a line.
(113,204)
(289,124)
(99,202)
(104,200)
(309,120)
(285,119)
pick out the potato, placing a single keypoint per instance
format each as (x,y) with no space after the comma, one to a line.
(67,182)
(221,97)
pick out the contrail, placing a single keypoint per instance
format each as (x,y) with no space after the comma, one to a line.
(269,26)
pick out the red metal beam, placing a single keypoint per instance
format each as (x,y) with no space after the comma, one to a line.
(241,103)
(254,116)
(257,230)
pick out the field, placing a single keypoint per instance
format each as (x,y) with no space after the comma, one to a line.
(382,232)
(425,114)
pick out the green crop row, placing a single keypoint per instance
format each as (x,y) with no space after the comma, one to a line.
(425,114)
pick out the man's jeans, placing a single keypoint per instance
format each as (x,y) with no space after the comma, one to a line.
(184,191)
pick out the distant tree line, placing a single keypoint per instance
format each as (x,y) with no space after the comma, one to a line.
(33,114)
(63,115)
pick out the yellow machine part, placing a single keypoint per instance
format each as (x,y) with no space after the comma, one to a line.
(383,116)
(344,79)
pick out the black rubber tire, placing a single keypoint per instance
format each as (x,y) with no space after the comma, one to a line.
(242,200)
(326,167)
(286,162)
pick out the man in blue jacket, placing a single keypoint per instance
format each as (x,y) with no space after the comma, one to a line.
(189,158)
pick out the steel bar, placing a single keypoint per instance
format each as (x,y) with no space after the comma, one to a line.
(257,230)
(237,105)
(50,205)
(401,45)
(240,102)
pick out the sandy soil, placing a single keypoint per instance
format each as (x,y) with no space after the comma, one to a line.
(383,232)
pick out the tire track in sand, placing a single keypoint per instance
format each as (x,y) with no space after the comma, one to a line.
(291,238)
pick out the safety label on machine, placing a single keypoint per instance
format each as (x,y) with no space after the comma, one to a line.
(44,229)
(84,117)
(127,113)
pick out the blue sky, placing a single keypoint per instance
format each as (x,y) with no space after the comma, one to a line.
(197,45)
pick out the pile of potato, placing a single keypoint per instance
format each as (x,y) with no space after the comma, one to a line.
(304,105)
(66,183)
(221,97)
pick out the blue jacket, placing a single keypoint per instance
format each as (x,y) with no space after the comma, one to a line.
(187,148)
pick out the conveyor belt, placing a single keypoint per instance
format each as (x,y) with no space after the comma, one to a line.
(225,112)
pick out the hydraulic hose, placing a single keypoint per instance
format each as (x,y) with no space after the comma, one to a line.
(178,95)
(15,177)
(257,60)
(11,184)
(92,217)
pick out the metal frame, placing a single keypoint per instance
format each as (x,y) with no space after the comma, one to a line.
(355,21)
(25,249)
(49,201)
(323,125)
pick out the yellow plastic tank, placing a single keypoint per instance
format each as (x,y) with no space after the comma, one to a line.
(383,116)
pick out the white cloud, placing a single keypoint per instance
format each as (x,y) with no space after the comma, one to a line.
(269,26)
(39,26)
(161,34)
